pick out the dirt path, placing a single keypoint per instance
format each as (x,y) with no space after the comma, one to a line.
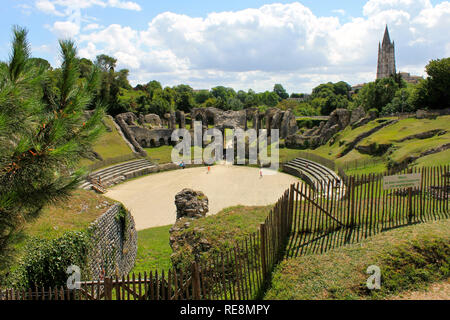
(151,198)
(436,291)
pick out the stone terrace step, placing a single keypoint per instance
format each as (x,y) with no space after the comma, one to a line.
(123,165)
(111,173)
(119,172)
(316,175)
(323,169)
(315,171)
(325,173)
(304,175)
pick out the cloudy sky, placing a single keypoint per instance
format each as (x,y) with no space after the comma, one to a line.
(237,43)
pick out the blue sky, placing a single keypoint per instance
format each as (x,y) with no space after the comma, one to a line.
(243,44)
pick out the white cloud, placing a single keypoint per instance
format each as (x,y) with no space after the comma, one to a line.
(49,6)
(92,26)
(128,5)
(65,29)
(277,43)
(413,7)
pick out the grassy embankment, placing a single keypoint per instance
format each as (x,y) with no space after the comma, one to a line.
(110,145)
(410,258)
(390,135)
(221,230)
(72,214)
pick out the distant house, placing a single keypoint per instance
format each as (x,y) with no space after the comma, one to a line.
(300,99)
(356,88)
(409,78)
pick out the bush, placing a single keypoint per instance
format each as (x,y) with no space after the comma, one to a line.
(309,123)
(46,261)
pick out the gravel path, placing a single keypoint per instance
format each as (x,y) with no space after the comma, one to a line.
(151,199)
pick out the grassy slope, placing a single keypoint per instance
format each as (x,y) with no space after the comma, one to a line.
(408,257)
(109,145)
(163,154)
(391,134)
(222,229)
(72,214)
(153,250)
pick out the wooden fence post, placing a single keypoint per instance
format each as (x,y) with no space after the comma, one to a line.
(263,250)
(108,288)
(410,211)
(195,282)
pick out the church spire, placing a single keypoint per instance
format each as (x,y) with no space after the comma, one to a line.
(386,38)
(386,57)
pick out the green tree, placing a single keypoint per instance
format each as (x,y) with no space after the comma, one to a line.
(201,96)
(268,98)
(287,105)
(434,91)
(402,102)
(234,104)
(184,98)
(280,91)
(85,66)
(43,135)
(377,94)
(210,103)
(122,79)
(105,62)
(41,63)
(327,97)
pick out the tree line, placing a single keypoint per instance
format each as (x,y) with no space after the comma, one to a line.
(387,96)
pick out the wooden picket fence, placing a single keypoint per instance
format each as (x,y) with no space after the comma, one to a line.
(325,220)
(302,221)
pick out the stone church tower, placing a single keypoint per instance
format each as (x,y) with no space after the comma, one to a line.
(386,57)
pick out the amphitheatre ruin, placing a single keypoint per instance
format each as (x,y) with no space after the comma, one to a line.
(226,185)
(230,228)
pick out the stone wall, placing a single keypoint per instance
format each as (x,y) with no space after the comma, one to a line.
(112,248)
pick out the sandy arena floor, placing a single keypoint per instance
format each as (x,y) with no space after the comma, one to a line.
(151,199)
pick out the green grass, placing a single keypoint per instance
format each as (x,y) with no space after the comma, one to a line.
(440,158)
(221,230)
(231,224)
(160,154)
(153,250)
(345,136)
(410,258)
(390,134)
(109,145)
(415,147)
(405,128)
(163,154)
(73,214)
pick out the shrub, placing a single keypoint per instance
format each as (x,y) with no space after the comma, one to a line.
(122,218)
(46,261)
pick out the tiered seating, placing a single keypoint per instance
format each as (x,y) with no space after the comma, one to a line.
(316,175)
(118,173)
